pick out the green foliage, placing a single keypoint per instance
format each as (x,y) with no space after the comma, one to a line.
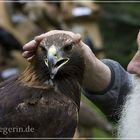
(91,104)
(123,12)
(119,25)
(100,134)
(97,133)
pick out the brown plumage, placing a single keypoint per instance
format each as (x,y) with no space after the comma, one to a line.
(46,97)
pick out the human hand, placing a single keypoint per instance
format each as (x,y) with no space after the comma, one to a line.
(29,49)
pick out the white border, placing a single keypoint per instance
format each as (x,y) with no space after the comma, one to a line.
(109,1)
(74,138)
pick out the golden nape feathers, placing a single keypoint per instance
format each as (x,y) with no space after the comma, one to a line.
(46,96)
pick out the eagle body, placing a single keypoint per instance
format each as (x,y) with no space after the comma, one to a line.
(47,105)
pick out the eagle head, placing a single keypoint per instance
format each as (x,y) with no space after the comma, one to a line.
(61,53)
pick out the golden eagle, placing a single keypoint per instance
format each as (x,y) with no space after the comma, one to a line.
(46,96)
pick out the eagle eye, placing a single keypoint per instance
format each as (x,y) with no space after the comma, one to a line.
(68,47)
(42,48)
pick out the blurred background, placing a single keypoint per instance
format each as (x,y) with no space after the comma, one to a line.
(110,30)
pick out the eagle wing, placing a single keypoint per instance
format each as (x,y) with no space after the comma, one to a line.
(49,113)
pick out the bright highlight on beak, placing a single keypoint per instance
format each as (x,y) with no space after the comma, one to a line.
(46,62)
(52,50)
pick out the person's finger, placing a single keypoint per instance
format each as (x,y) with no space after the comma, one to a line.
(28,54)
(30,58)
(32,45)
(39,38)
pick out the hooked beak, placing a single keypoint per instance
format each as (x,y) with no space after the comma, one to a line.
(54,61)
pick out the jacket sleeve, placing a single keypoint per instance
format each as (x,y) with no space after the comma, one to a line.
(110,100)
